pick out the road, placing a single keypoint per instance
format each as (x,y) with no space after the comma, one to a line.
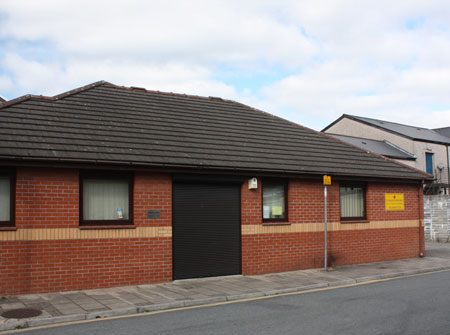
(412,305)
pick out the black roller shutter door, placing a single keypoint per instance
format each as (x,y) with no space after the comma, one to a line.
(206,230)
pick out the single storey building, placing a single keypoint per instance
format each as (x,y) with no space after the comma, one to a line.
(106,185)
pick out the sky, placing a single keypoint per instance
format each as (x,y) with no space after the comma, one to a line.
(306,61)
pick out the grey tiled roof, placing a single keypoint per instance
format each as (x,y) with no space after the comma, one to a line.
(379,147)
(106,123)
(443,131)
(416,133)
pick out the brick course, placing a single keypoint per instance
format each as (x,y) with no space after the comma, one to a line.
(51,266)
(152,191)
(266,253)
(48,198)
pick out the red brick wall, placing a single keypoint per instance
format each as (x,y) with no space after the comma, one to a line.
(376,202)
(49,266)
(152,191)
(251,205)
(306,202)
(265,253)
(48,198)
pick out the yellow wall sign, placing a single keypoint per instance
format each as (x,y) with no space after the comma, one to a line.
(327,180)
(394,201)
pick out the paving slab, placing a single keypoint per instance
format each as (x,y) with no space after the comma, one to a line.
(101,303)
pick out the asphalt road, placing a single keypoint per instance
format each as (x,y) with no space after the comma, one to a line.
(413,305)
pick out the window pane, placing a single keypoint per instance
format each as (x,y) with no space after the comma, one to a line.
(352,202)
(5,201)
(105,199)
(273,202)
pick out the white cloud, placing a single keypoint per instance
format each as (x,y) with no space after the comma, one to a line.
(380,59)
(194,31)
(49,79)
(6,84)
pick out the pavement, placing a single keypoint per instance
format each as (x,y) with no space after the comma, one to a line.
(100,303)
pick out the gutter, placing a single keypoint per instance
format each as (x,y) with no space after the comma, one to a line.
(448,169)
(421,221)
(98,163)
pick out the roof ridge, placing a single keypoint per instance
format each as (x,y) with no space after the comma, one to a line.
(53,98)
(435,129)
(370,118)
(357,137)
(19,99)
(79,89)
(144,90)
(369,121)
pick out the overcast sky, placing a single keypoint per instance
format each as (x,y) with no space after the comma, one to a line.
(306,61)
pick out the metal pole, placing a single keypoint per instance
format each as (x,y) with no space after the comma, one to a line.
(325,229)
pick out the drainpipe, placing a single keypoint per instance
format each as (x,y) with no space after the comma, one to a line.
(421,220)
(448,172)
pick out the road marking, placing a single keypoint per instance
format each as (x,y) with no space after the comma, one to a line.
(215,304)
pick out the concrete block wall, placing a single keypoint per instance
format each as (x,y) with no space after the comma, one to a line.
(437,217)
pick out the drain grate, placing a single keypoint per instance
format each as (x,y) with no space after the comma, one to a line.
(21,313)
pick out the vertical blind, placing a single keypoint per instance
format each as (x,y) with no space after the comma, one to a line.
(273,202)
(5,201)
(104,199)
(352,202)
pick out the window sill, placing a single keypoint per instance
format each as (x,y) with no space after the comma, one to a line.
(354,221)
(285,223)
(8,228)
(107,227)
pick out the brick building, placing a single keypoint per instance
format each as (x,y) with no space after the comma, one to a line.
(106,186)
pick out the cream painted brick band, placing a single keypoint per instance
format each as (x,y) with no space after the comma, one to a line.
(43,234)
(49,234)
(332,226)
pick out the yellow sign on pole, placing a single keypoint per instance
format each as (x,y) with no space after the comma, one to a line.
(327,180)
(394,201)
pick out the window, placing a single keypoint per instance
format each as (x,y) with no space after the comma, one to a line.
(353,201)
(274,194)
(106,199)
(7,197)
(429,162)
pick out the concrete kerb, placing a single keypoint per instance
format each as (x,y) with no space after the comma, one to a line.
(14,325)
(204,301)
(26,323)
(55,319)
(112,312)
